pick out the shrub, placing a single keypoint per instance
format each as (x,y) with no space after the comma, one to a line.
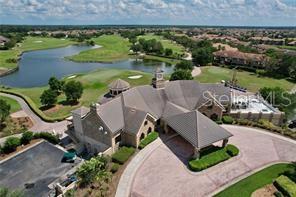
(227,120)
(209,160)
(27,136)
(232,150)
(219,121)
(47,136)
(150,138)
(286,186)
(11,144)
(114,167)
(123,154)
(213,156)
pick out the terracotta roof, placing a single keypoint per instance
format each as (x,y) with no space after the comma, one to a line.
(240,55)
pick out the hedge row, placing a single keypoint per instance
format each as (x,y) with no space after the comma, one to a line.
(213,158)
(286,186)
(264,124)
(227,120)
(11,143)
(123,154)
(33,107)
(150,138)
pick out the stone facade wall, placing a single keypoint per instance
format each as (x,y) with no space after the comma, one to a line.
(91,124)
(211,111)
(147,125)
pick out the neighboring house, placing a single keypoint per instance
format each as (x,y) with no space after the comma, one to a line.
(237,58)
(184,107)
(3,40)
(292,43)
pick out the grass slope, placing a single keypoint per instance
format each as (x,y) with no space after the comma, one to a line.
(114,48)
(247,186)
(14,105)
(249,80)
(95,84)
(30,44)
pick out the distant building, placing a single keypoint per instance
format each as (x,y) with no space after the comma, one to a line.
(3,40)
(237,58)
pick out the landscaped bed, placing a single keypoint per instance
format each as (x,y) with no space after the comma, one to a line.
(247,186)
(123,154)
(213,156)
(150,138)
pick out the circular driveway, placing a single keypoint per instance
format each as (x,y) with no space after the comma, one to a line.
(163,172)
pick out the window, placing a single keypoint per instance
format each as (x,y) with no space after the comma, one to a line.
(145,123)
(118,139)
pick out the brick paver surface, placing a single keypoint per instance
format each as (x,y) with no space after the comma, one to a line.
(164,172)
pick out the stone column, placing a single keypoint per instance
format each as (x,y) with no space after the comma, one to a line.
(165,128)
(224,143)
(196,154)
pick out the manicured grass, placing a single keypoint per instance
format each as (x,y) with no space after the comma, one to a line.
(166,43)
(123,154)
(150,138)
(213,74)
(30,44)
(212,157)
(14,105)
(161,59)
(248,185)
(38,43)
(114,48)
(5,55)
(95,84)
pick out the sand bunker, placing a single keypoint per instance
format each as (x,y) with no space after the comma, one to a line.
(71,77)
(38,41)
(135,77)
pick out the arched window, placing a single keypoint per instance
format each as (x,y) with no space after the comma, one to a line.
(149,130)
(142,136)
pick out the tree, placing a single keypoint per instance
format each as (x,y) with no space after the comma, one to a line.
(48,97)
(181,75)
(73,91)
(202,56)
(94,169)
(55,84)
(4,110)
(184,65)
(292,71)
(27,136)
(5,192)
(168,52)
(136,48)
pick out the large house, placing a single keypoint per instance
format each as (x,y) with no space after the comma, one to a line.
(184,107)
(230,57)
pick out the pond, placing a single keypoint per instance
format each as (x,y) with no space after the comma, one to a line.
(36,67)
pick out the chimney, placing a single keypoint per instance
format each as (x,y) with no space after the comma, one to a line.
(94,107)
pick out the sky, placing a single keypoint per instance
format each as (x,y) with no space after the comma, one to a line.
(149,12)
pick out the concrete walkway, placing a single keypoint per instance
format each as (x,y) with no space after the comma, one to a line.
(160,169)
(38,124)
(196,71)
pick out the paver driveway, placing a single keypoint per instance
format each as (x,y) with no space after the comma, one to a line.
(163,172)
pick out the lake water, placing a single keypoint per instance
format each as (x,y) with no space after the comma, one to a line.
(36,67)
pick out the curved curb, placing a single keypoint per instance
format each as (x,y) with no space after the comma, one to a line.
(236,180)
(127,178)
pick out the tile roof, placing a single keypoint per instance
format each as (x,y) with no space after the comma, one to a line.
(176,104)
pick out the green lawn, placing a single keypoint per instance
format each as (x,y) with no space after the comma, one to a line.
(95,84)
(29,44)
(14,105)
(166,43)
(114,48)
(251,81)
(247,186)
